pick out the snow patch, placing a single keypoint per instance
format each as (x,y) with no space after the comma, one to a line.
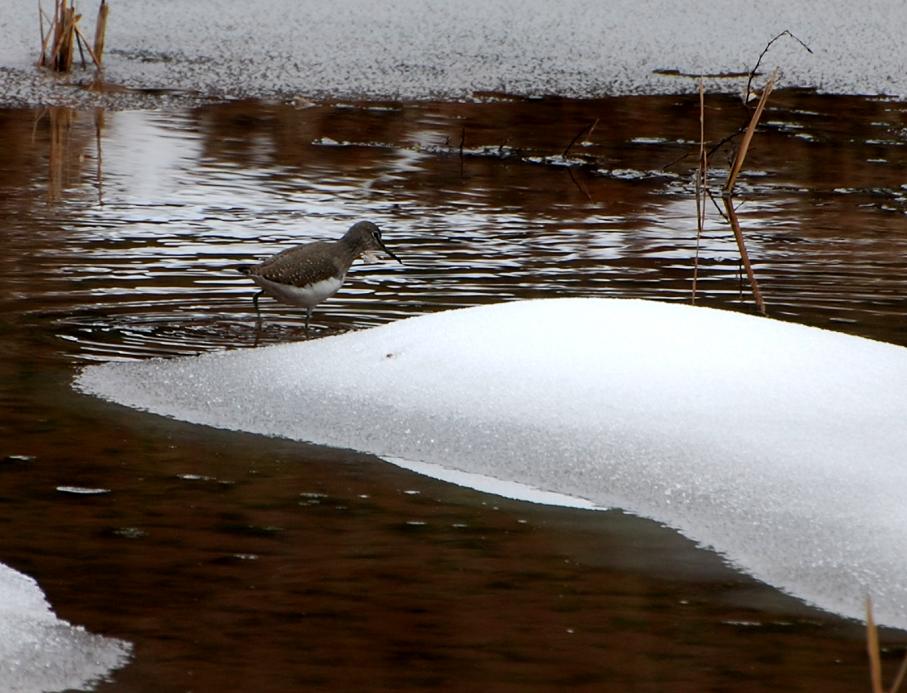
(781,446)
(39,652)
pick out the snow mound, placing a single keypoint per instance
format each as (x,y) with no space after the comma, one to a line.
(781,446)
(39,652)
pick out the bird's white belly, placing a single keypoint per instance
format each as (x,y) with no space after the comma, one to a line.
(308,296)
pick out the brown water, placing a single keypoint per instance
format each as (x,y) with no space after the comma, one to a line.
(239,563)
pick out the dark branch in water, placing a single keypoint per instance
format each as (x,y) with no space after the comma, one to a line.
(585,131)
(714,148)
(579,187)
(715,202)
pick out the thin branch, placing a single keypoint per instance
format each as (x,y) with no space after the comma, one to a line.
(79,41)
(714,148)
(724,140)
(752,75)
(83,40)
(578,186)
(717,207)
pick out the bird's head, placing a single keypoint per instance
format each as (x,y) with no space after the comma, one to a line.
(366,238)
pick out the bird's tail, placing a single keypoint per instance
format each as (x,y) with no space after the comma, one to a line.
(244,269)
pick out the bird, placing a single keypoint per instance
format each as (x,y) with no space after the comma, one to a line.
(308,274)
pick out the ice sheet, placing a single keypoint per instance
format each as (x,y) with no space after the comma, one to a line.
(414,49)
(781,446)
(39,652)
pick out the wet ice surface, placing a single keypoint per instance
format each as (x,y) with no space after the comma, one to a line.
(39,652)
(777,444)
(408,49)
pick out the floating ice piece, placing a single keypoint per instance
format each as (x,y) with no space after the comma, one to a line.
(82,490)
(781,446)
(39,652)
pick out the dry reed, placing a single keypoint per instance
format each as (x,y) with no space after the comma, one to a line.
(875,657)
(872,648)
(748,135)
(730,212)
(462,142)
(100,32)
(701,185)
(63,36)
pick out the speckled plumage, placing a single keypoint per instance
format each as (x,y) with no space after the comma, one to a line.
(306,264)
(308,274)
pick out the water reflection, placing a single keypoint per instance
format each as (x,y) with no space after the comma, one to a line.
(220,186)
(188,195)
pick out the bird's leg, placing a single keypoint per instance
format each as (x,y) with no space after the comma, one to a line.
(258,317)
(255,303)
(308,314)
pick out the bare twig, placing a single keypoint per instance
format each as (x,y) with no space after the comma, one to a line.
(79,41)
(83,40)
(752,75)
(714,148)
(716,205)
(724,140)
(585,131)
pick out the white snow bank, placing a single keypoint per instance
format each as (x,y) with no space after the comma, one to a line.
(784,447)
(39,652)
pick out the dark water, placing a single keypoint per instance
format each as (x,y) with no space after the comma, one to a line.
(236,562)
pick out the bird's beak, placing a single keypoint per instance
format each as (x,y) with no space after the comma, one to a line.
(385,249)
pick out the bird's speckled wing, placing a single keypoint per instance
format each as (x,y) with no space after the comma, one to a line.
(304,264)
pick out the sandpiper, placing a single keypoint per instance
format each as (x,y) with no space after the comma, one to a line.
(308,274)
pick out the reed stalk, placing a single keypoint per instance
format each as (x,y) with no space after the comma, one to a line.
(701,184)
(899,678)
(872,648)
(748,135)
(61,51)
(100,32)
(744,255)
(64,35)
